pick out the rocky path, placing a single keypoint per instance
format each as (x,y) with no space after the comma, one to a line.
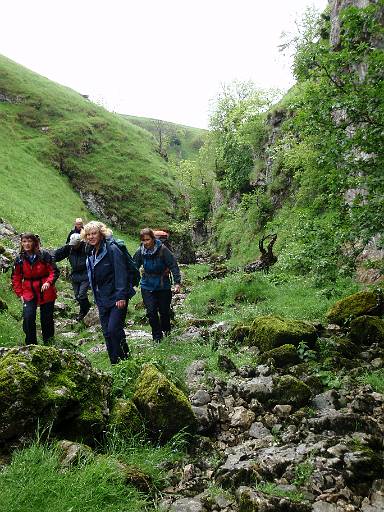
(272,437)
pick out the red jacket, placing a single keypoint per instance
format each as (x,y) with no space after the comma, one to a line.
(28,279)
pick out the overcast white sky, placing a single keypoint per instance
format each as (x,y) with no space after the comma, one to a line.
(155,58)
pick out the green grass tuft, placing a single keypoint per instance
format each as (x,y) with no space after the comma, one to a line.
(374,379)
(35,482)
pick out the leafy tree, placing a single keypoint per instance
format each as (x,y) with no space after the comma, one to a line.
(342,114)
(238,132)
(197,179)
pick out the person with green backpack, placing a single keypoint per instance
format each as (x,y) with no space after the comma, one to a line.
(158,264)
(112,279)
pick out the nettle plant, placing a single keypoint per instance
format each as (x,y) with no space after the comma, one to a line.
(305,353)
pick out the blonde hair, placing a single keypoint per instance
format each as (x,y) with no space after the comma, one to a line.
(95,225)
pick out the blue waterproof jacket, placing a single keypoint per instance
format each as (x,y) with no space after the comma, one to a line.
(157,267)
(107,275)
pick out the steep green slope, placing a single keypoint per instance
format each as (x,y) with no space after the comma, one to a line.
(311,168)
(175,141)
(34,197)
(49,131)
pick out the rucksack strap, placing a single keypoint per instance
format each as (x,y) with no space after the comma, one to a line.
(166,271)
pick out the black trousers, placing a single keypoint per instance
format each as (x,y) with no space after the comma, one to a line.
(112,322)
(80,290)
(158,306)
(46,321)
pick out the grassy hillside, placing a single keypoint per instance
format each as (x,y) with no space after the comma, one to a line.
(52,137)
(33,196)
(177,141)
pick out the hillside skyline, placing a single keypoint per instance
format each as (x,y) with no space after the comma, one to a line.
(152,60)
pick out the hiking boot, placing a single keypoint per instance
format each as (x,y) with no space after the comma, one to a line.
(85,306)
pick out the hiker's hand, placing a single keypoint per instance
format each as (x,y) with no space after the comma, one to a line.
(120,304)
(45,286)
(177,288)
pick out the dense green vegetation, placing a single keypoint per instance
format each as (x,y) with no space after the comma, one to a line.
(173,141)
(53,137)
(244,296)
(95,483)
(309,168)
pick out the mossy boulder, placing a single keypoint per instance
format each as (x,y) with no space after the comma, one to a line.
(54,389)
(240,333)
(125,418)
(366,330)
(200,322)
(72,454)
(289,390)
(268,332)
(181,244)
(283,356)
(136,477)
(353,306)
(164,407)
(340,346)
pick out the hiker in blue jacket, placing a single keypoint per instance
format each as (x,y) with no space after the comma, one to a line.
(158,263)
(108,277)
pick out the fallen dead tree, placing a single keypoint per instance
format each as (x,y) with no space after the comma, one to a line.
(267,258)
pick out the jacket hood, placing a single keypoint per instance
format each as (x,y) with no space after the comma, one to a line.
(153,251)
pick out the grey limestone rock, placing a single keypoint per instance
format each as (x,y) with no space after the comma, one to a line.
(258,430)
(187,505)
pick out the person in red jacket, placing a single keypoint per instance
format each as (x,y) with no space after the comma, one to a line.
(33,276)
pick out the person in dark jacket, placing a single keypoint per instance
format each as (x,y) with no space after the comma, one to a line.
(158,263)
(76,252)
(33,276)
(108,277)
(79,224)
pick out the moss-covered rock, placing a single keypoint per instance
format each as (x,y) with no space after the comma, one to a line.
(353,306)
(283,356)
(137,477)
(130,474)
(363,465)
(164,407)
(289,390)
(52,388)
(240,333)
(366,330)
(72,454)
(268,332)
(125,418)
(339,346)
(199,322)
